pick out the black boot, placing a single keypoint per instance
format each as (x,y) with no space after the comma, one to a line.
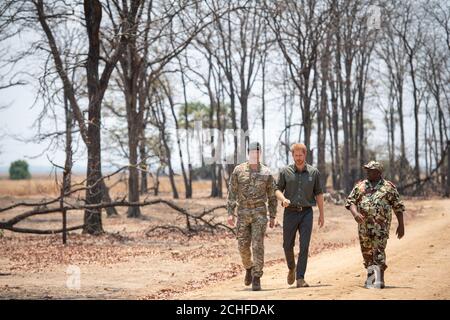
(256,284)
(248,277)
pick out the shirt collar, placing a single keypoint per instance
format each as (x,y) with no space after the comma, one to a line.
(294,167)
(377,186)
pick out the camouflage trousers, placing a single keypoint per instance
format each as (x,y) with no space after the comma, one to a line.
(250,231)
(373,239)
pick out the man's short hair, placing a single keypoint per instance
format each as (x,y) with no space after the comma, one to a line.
(299,147)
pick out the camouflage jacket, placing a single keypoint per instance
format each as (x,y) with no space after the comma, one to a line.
(252,189)
(376,201)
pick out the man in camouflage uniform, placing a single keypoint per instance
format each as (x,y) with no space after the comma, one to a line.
(370,203)
(251,186)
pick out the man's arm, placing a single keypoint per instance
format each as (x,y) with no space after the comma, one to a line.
(281,186)
(356,215)
(399,208)
(318,193)
(351,202)
(231,201)
(319,200)
(400,232)
(284,201)
(272,200)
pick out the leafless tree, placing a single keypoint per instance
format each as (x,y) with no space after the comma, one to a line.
(299,28)
(97,83)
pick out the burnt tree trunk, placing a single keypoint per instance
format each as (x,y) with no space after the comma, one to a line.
(92,217)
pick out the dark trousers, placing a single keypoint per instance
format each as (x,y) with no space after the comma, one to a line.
(303,222)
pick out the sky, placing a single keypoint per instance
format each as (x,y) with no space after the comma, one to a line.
(18,122)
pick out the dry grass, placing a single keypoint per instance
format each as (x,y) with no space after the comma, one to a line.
(31,187)
(45,185)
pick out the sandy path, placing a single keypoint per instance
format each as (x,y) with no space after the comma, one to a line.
(419,268)
(166,268)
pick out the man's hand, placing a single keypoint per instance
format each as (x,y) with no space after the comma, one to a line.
(272,222)
(285,203)
(231,220)
(400,231)
(321,220)
(401,225)
(358,217)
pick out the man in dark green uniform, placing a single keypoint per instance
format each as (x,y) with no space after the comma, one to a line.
(299,189)
(370,203)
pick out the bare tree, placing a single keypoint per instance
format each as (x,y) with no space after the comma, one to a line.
(96,87)
(412,39)
(393,55)
(8,30)
(299,28)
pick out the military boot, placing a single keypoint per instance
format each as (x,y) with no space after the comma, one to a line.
(370,279)
(248,277)
(256,284)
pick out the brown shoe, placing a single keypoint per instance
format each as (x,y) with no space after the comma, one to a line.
(291,276)
(256,284)
(301,283)
(248,277)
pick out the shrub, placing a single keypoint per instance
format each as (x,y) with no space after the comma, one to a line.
(19,170)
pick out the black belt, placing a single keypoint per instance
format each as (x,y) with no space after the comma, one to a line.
(297,208)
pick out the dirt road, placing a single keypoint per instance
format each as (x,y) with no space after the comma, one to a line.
(419,268)
(125,264)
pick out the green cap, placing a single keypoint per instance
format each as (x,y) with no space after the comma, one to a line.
(374,165)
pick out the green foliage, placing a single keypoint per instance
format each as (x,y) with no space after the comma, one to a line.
(198,111)
(19,170)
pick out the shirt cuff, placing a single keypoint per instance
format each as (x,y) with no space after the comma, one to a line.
(348,205)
